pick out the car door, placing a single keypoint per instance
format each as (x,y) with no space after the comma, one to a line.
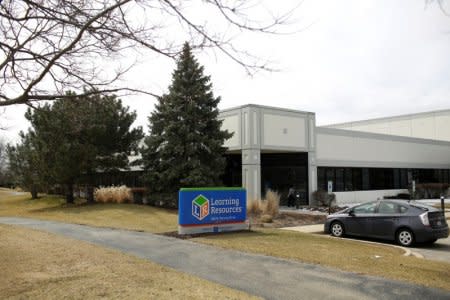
(360,221)
(387,217)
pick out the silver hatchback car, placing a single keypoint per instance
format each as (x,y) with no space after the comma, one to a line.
(402,221)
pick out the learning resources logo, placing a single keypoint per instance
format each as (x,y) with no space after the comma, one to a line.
(200,207)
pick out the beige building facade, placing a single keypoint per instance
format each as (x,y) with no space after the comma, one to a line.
(276,148)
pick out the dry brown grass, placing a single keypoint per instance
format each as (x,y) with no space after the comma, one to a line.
(38,265)
(127,216)
(272,203)
(342,254)
(268,206)
(346,255)
(254,207)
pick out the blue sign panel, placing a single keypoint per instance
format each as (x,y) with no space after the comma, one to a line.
(203,206)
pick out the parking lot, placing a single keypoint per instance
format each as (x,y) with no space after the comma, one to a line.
(437,251)
(440,250)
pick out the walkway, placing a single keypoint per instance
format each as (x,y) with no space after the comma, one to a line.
(265,276)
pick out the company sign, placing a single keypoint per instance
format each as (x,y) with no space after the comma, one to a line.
(211,210)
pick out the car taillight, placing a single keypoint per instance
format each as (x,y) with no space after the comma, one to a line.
(424,218)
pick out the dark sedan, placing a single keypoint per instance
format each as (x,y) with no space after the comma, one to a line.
(402,221)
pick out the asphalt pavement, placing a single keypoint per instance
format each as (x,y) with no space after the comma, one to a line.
(440,250)
(265,276)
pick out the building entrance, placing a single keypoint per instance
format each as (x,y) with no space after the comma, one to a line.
(280,171)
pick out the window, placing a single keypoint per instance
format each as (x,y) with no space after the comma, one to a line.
(402,209)
(391,208)
(368,208)
(365,179)
(357,179)
(387,208)
(321,178)
(348,182)
(339,185)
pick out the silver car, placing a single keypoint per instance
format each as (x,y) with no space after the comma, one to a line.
(402,221)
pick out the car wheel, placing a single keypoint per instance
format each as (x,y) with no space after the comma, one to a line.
(337,229)
(405,237)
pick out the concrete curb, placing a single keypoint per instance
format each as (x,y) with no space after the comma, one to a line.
(407,251)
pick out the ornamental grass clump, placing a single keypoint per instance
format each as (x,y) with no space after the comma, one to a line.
(269,206)
(272,203)
(113,194)
(254,207)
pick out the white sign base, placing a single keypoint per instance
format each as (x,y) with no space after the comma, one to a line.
(213,228)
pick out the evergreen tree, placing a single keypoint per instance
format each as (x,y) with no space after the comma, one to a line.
(81,136)
(26,166)
(185,145)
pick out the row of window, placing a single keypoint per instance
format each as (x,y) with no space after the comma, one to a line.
(363,179)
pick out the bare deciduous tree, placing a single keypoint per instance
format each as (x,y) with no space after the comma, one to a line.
(50,46)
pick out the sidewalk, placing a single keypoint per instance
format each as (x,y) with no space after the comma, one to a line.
(264,276)
(316,228)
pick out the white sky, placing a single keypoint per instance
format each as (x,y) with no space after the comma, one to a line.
(357,60)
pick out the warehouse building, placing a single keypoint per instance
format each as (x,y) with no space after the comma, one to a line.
(275,148)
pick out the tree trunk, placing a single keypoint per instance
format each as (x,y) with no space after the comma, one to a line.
(34,191)
(90,194)
(69,193)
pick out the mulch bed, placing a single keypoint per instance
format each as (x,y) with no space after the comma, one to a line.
(289,219)
(284,219)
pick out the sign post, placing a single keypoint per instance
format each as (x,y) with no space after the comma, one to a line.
(330,187)
(202,210)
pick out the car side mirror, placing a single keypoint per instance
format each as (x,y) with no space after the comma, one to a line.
(351,213)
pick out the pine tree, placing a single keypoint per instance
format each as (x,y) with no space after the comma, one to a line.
(78,137)
(185,145)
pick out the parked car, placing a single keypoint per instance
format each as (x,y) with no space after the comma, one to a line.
(402,221)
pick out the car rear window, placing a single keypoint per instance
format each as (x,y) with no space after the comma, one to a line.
(421,206)
(402,209)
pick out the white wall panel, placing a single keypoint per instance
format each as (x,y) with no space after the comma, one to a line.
(430,125)
(442,123)
(423,127)
(284,131)
(346,148)
(232,124)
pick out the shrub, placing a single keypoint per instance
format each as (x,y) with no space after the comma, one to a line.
(324,199)
(113,194)
(254,207)
(272,203)
(166,200)
(268,206)
(430,190)
(266,219)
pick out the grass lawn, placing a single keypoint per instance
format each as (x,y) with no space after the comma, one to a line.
(39,265)
(126,216)
(346,255)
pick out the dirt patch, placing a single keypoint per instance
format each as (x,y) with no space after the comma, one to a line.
(289,219)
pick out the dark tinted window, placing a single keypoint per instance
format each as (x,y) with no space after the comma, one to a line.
(387,208)
(339,185)
(367,208)
(402,209)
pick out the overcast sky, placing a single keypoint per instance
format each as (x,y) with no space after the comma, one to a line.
(354,60)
